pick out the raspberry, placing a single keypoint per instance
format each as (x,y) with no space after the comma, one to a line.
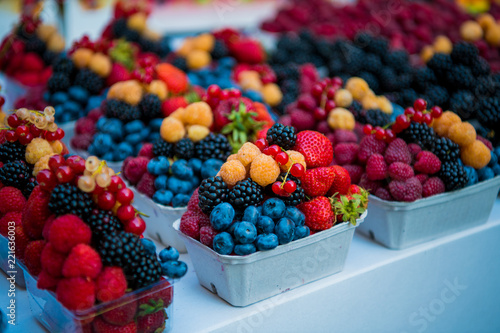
(110,284)
(135,168)
(476,155)
(197,132)
(433,186)
(427,162)
(442,124)
(383,194)
(36,212)
(82,261)
(400,171)
(193,202)
(207,234)
(37,148)
(85,125)
(147,184)
(81,141)
(52,260)
(76,293)
(46,281)
(264,170)
(232,172)
(22,241)
(247,153)
(67,231)
(146,151)
(369,146)
(198,113)
(190,225)
(397,151)
(204,220)
(7,218)
(172,130)
(345,136)
(198,59)
(32,255)
(414,149)
(346,153)
(369,185)
(11,199)
(463,134)
(422,178)
(408,191)
(376,167)
(293,157)
(355,172)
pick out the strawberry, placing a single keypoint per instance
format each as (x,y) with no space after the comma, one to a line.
(317,181)
(356,190)
(7,219)
(173,103)
(318,212)
(118,73)
(101,326)
(36,212)
(248,51)
(341,182)
(348,208)
(262,113)
(148,322)
(175,79)
(32,255)
(32,62)
(225,107)
(121,315)
(22,241)
(316,148)
(164,294)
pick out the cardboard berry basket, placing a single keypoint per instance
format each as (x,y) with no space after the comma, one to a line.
(244,280)
(56,318)
(399,225)
(160,220)
(7,259)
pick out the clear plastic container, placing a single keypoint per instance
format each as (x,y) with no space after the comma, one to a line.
(5,263)
(56,318)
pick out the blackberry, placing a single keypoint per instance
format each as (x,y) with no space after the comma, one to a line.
(89,80)
(398,60)
(297,197)
(445,149)
(464,53)
(163,148)
(147,271)
(245,193)
(180,63)
(371,80)
(148,45)
(102,222)
(220,50)
(212,191)
(388,79)
(323,49)
(374,117)
(29,187)
(453,175)
(406,97)
(356,107)
(281,135)
(150,105)
(68,199)
(403,81)
(12,151)
(362,39)
(488,113)
(131,35)
(438,95)
(480,67)
(378,46)
(335,66)
(213,146)
(184,148)
(463,102)
(485,87)
(440,63)
(49,57)
(118,109)
(64,65)
(58,82)
(422,77)
(420,134)
(354,59)
(36,45)
(373,64)
(119,27)
(460,77)
(15,174)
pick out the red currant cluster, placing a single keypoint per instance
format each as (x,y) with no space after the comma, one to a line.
(146,68)
(418,114)
(266,73)
(93,176)
(286,187)
(324,93)
(101,45)
(215,94)
(25,125)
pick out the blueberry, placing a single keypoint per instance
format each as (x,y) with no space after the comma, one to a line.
(180,200)
(161,182)
(210,168)
(195,164)
(251,214)
(274,208)
(227,62)
(71,107)
(133,138)
(149,245)
(245,232)
(163,197)
(155,124)
(485,173)
(144,133)
(195,181)
(232,227)
(194,79)
(471,175)
(266,242)
(79,94)
(294,214)
(113,127)
(223,243)
(497,151)
(174,269)
(496,169)
(94,102)
(259,209)
(46,96)
(158,165)
(108,156)
(301,232)
(493,160)
(285,230)
(100,123)
(181,170)
(244,249)
(66,116)
(59,97)
(123,150)
(177,185)
(265,225)
(253,95)
(169,253)
(103,142)
(153,136)
(134,126)
(222,216)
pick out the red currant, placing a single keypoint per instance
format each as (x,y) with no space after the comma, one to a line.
(403,121)
(282,158)
(367,129)
(234,93)
(396,128)
(389,136)
(106,200)
(35,131)
(125,196)
(337,82)
(261,144)
(420,104)
(379,133)
(98,190)
(320,114)
(276,188)
(22,130)
(55,162)
(26,139)
(418,117)
(136,75)
(46,179)
(436,112)
(297,170)
(59,133)
(330,105)
(64,174)
(409,111)
(11,136)
(147,78)
(76,163)
(125,212)
(330,93)
(290,186)
(2,100)
(427,118)
(317,90)
(13,120)
(213,90)
(135,226)
(116,184)
(224,94)
(50,136)
(272,150)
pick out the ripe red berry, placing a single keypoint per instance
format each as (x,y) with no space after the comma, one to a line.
(317,90)
(427,118)
(50,136)
(436,112)
(420,104)
(272,150)
(330,93)
(329,106)
(135,226)
(26,138)
(320,114)
(276,188)
(290,186)
(297,170)
(389,136)
(13,119)
(11,136)
(125,196)
(337,82)
(125,212)
(379,133)
(282,158)
(55,162)
(409,111)
(116,184)
(367,129)
(233,92)
(76,163)
(59,133)
(64,174)
(213,90)
(2,100)
(403,121)
(224,94)
(22,130)
(261,144)
(106,200)
(35,131)
(396,128)
(46,179)
(418,117)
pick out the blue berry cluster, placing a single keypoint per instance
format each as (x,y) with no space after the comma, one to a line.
(260,228)
(171,266)
(219,73)
(116,140)
(176,183)
(489,171)
(73,104)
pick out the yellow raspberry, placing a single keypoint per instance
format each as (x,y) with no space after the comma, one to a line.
(384,104)
(493,35)
(271,94)
(198,59)
(442,124)
(232,172)
(250,80)
(204,42)
(172,130)
(151,35)
(369,101)
(45,31)
(357,87)
(178,114)
(442,44)
(137,22)
(41,164)
(463,134)
(81,57)
(116,91)
(186,47)
(159,88)
(132,92)
(197,132)
(198,113)
(294,157)
(476,155)
(264,170)
(343,98)
(37,148)
(427,53)
(56,43)
(471,31)
(100,64)
(340,118)
(486,21)
(57,146)
(248,152)
(232,157)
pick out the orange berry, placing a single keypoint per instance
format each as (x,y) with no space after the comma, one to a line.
(198,59)
(264,170)
(100,64)
(384,104)
(197,132)
(442,124)
(81,57)
(476,155)
(56,43)
(427,53)
(137,22)
(132,92)
(159,88)
(198,113)
(471,31)
(340,118)
(232,157)
(45,31)
(204,42)
(369,101)
(186,47)
(343,98)
(178,114)
(271,94)
(172,130)
(42,163)
(57,146)
(442,44)
(463,134)
(247,153)
(486,21)
(493,35)
(232,172)
(357,87)
(294,157)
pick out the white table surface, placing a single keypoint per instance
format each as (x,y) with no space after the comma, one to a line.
(447,285)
